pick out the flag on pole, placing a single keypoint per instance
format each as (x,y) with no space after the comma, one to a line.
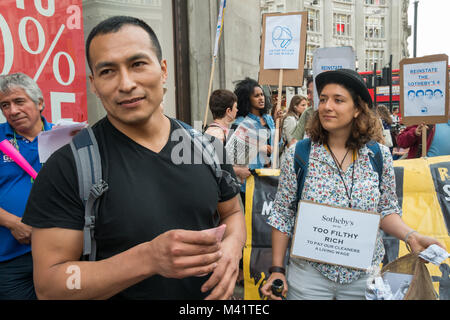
(220,19)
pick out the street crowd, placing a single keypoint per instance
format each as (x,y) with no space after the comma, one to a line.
(149,225)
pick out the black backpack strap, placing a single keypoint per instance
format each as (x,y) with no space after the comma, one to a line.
(91,186)
(205,148)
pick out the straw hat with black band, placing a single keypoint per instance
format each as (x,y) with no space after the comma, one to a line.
(348,78)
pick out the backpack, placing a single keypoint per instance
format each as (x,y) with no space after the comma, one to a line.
(301,162)
(92,184)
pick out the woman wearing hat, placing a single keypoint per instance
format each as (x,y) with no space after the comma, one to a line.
(339,174)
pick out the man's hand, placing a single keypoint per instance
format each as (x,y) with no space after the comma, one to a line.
(20,231)
(180,253)
(223,279)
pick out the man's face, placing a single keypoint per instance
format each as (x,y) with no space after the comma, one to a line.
(127,76)
(20,111)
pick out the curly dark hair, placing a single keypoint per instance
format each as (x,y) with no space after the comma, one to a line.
(243,90)
(365,127)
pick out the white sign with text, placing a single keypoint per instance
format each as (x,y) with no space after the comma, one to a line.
(282,46)
(424,91)
(333,235)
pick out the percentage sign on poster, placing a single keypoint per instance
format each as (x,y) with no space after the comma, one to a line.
(9,54)
(40,39)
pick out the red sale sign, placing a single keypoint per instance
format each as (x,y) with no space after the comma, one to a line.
(45,40)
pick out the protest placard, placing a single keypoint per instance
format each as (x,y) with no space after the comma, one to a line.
(333,235)
(283,50)
(424,90)
(283,47)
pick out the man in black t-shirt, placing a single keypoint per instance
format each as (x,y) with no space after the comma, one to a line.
(149,243)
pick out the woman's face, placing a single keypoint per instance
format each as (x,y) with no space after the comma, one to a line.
(257,99)
(300,108)
(336,108)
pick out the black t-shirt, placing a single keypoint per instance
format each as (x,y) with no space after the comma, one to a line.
(148,195)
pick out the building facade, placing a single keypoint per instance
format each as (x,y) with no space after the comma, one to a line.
(187,29)
(376,29)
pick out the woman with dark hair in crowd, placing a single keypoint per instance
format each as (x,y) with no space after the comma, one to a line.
(342,143)
(254,118)
(297,106)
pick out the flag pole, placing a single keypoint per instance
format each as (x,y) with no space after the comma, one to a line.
(213,68)
(219,29)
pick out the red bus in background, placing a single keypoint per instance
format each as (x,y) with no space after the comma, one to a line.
(382,86)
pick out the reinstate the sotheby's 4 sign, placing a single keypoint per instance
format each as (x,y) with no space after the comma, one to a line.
(282,44)
(424,89)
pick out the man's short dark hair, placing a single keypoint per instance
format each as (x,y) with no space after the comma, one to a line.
(114,24)
(220,101)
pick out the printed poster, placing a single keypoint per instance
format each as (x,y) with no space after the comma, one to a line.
(424,90)
(282,45)
(45,40)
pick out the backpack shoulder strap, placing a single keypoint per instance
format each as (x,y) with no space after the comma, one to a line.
(301,161)
(207,151)
(376,160)
(91,186)
(204,148)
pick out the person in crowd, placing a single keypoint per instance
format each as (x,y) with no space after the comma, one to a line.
(253,114)
(299,131)
(386,120)
(21,102)
(297,106)
(223,106)
(339,174)
(398,153)
(395,116)
(437,140)
(148,231)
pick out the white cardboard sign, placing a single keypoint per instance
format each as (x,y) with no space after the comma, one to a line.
(333,235)
(282,44)
(424,89)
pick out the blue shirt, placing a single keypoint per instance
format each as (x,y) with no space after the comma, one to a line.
(440,146)
(15,186)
